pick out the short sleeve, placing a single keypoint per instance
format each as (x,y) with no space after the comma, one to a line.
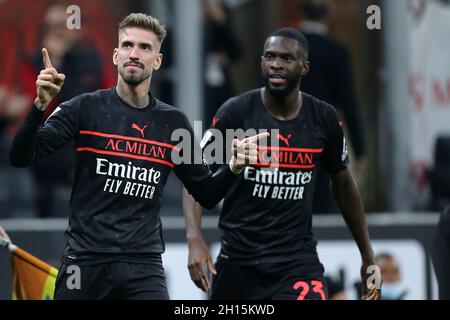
(335,155)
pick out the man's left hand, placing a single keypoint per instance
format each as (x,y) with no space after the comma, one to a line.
(371,281)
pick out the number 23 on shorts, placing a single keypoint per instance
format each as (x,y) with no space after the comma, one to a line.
(314,288)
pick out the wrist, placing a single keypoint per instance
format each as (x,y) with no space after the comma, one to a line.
(40,105)
(368,256)
(194,237)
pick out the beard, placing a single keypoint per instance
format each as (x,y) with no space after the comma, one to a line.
(283,91)
(133,78)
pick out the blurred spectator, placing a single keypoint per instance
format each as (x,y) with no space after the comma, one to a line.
(164,81)
(330,79)
(440,174)
(221,49)
(390,275)
(25,34)
(15,184)
(391,288)
(440,254)
(72,55)
(12,105)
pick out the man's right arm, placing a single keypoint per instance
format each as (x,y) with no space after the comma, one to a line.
(23,149)
(32,143)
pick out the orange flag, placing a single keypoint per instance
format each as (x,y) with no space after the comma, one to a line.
(33,279)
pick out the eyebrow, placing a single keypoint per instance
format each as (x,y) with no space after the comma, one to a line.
(280,53)
(124,42)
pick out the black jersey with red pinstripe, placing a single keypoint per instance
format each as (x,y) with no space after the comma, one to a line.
(124,157)
(267,214)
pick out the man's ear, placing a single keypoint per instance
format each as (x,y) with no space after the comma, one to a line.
(305,68)
(115,60)
(158,61)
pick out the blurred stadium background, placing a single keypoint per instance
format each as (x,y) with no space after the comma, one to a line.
(400,79)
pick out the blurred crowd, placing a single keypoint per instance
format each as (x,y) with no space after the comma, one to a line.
(44,189)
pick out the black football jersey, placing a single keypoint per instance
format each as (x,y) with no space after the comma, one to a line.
(124,157)
(267,214)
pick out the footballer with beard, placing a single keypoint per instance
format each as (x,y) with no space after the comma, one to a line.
(268,250)
(125,153)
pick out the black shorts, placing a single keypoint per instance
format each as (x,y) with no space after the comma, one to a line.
(274,281)
(115,280)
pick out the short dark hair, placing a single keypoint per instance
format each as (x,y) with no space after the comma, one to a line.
(292,34)
(144,21)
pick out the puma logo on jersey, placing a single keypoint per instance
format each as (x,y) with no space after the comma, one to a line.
(141,130)
(284,139)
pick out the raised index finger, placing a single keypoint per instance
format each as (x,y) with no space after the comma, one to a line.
(46,59)
(258,137)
